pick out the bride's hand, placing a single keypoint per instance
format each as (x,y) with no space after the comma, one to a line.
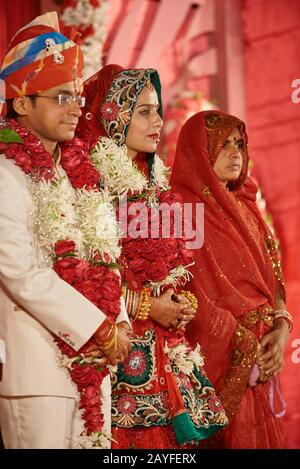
(165,311)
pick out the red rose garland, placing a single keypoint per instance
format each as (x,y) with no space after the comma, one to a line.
(31,156)
(147,259)
(151,259)
(97,283)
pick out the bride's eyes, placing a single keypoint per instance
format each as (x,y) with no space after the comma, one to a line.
(145,112)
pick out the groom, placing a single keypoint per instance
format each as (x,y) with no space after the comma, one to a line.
(42,72)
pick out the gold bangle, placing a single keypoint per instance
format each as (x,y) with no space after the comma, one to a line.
(145,306)
(132,301)
(105,334)
(191,297)
(282,313)
(111,342)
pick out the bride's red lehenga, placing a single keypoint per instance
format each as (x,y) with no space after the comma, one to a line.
(236,277)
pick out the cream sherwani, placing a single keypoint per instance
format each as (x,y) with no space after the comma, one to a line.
(35,302)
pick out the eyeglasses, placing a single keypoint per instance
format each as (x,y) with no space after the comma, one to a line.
(65,99)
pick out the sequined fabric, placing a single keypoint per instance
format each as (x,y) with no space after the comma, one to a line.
(235,275)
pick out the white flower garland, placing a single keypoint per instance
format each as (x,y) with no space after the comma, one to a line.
(88,218)
(85,14)
(120,174)
(160,174)
(179,275)
(53,213)
(93,441)
(183,358)
(96,220)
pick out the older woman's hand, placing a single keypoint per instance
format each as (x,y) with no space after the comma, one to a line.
(270,357)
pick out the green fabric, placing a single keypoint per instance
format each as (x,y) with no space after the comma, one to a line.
(185,431)
(155,80)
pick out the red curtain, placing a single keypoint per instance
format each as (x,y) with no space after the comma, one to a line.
(272,58)
(14,15)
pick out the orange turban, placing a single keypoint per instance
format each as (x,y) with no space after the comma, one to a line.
(39,57)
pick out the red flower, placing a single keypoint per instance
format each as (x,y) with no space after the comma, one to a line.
(87,289)
(157,271)
(185,381)
(85,375)
(66,269)
(64,247)
(171,197)
(20,156)
(81,268)
(31,155)
(175,339)
(110,111)
(109,289)
(214,404)
(135,363)
(137,265)
(95,3)
(65,348)
(148,249)
(126,405)
(76,162)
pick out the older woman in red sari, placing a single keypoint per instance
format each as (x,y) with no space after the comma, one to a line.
(242,323)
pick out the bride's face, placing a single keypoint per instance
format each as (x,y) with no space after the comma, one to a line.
(228,165)
(145,126)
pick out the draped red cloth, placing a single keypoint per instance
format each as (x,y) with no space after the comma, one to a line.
(233,275)
(14,15)
(95,91)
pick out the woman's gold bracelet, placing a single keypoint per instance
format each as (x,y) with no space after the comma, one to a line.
(145,305)
(282,313)
(191,297)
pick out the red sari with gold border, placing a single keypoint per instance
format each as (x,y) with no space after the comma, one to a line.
(236,276)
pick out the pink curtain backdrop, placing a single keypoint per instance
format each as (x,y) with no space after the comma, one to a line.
(177,38)
(145,34)
(272,58)
(14,15)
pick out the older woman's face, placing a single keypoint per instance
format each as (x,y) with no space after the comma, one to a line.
(145,126)
(228,165)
